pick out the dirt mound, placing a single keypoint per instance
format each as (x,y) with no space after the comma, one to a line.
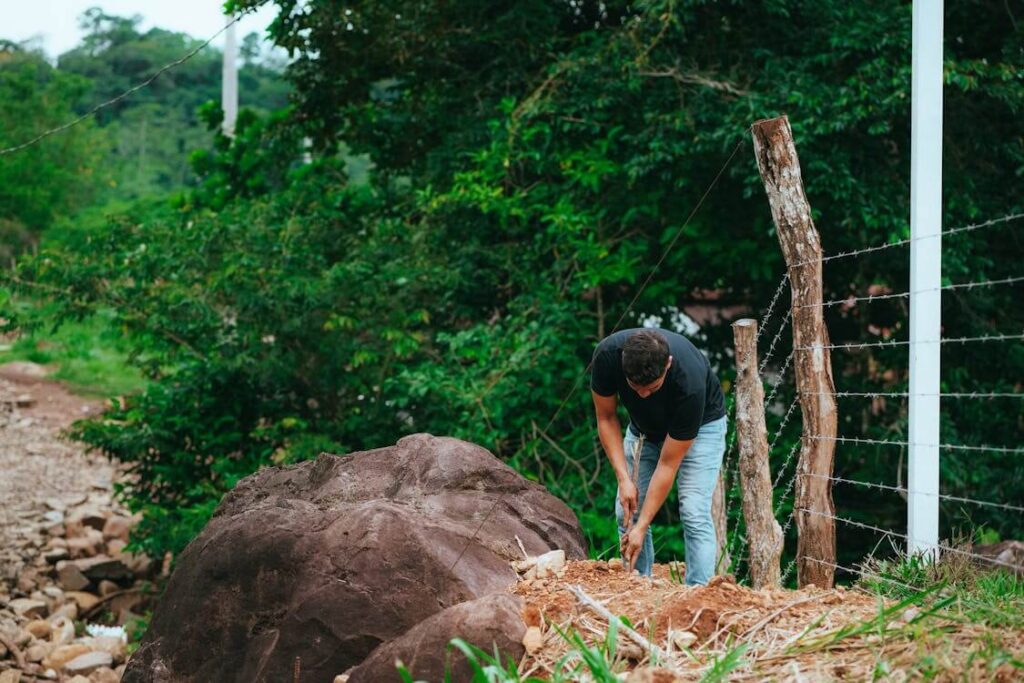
(326,560)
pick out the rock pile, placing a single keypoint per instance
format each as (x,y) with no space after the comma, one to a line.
(80,573)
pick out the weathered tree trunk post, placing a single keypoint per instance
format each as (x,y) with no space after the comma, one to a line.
(724,562)
(780,170)
(764,535)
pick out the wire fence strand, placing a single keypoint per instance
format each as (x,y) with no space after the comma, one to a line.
(127,93)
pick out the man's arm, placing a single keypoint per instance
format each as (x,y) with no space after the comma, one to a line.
(610,432)
(672,452)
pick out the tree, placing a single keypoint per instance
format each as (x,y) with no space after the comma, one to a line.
(57,175)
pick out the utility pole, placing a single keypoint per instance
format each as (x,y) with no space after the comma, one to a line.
(925,278)
(229,80)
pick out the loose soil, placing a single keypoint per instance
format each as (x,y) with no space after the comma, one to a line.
(786,630)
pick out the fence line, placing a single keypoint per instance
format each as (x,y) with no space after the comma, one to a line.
(127,93)
(904,342)
(947,446)
(903,242)
(900,489)
(904,394)
(895,534)
(906,295)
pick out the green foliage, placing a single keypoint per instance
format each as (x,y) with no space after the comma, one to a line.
(994,597)
(56,176)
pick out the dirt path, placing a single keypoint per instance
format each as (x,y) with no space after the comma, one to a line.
(42,474)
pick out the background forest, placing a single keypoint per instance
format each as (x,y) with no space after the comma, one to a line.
(431,214)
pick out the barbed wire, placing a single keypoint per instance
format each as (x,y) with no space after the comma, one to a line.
(905,394)
(906,342)
(851,300)
(900,489)
(903,242)
(127,93)
(946,446)
(905,537)
(778,380)
(775,340)
(771,306)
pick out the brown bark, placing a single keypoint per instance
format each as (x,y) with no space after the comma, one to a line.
(724,562)
(801,246)
(764,535)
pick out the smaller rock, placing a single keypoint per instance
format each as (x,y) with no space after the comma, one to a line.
(108,587)
(70,577)
(28,608)
(85,601)
(63,654)
(615,564)
(533,640)
(53,517)
(104,567)
(117,526)
(112,645)
(53,592)
(62,631)
(55,504)
(10,676)
(79,678)
(40,628)
(68,610)
(627,649)
(682,640)
(88,663)
(88,544)
(104,674)
(94,520)
(38,652)
(56,555)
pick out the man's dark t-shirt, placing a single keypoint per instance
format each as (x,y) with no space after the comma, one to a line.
(690,396)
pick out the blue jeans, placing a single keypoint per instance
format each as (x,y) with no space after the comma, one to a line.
(695,483)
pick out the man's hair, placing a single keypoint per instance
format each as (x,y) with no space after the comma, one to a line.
(644,356)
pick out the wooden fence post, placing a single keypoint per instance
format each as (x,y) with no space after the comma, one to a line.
(815,512)
(764,535)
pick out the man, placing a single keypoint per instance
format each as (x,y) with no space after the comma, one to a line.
(675,401)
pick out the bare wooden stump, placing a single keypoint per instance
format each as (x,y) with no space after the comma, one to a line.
(764,535)
(801,246)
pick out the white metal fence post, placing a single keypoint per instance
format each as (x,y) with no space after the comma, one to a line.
(229,81)
(925,278)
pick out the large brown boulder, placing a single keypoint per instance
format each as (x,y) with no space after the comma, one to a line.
(326,560)
(493,620)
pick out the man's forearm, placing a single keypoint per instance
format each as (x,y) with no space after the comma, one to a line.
(610,432)
(657,491)
(672,454)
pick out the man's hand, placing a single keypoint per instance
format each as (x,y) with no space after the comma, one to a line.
(631,545)
(627,497)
